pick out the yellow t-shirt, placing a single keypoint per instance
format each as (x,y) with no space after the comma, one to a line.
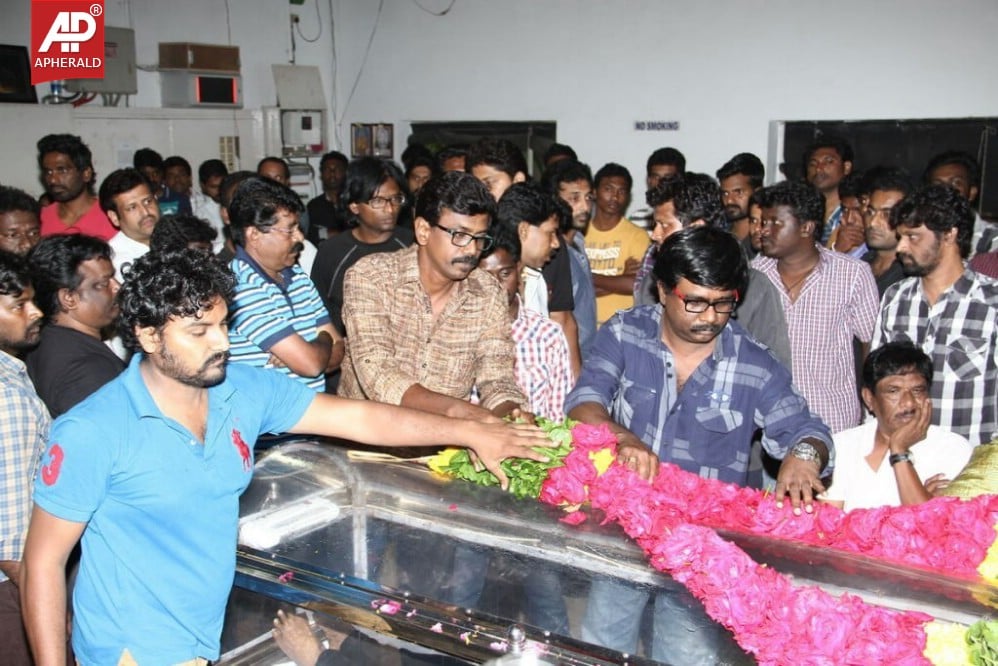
(608,252)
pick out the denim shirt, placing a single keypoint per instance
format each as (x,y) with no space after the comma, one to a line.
(706,428)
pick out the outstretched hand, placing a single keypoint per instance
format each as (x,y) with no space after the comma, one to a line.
(494,442)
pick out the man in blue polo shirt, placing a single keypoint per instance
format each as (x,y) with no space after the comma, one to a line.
(278,317)
(680,382)
(148,471)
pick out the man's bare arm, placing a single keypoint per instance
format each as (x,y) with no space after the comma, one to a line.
(379,424)
(43,584)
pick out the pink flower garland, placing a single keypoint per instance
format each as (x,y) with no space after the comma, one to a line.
(946,534)
(769,617)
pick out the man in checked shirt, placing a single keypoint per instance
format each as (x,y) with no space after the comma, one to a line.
(24,426)
(423,325)
(947,309)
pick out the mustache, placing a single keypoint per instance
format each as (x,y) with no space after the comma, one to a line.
(471,261)
(297,247)
(215,358)
(706,328)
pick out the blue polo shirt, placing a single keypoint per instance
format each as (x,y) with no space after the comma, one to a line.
(161,509)
(707,427)
(265,312)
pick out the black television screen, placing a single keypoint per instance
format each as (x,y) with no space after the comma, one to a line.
(15,75)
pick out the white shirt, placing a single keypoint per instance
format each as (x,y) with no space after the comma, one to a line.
(126,250)
(860,487)
(205,208)
(535,291)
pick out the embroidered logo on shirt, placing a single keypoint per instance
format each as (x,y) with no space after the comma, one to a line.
(50,472)
(244,450)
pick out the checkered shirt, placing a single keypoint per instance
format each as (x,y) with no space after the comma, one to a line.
(24,426)
(960,333)
(838,301)
(543,369)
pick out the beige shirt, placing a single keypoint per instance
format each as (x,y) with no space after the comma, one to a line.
(394,342)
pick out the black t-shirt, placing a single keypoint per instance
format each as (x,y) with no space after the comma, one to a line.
(558,276)
(67,366)
(325,219)
(337,255)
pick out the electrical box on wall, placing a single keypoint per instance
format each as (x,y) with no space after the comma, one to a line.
(302,132)
(185,89)
(119,66)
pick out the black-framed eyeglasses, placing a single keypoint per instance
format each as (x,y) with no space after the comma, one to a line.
(379,203)
(463,239)
(699,305)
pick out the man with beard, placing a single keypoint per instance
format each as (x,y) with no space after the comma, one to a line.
(278,318)
(826,162)
(325,214)
(133,209)
(67,173)
(75,289)
(680,382)
(20,227)
(148,472)
(681,202)
(24,425)
(425,327)
(885,187)
(828,299)
(946,309)
(739,178)
(572,183)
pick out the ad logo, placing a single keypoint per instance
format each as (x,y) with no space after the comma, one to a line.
(67,40)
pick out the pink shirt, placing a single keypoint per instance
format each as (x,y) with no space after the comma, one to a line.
(93,223)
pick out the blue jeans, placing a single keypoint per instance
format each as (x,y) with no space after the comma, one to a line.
(682,631)
(545,604)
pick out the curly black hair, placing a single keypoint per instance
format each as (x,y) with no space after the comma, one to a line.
(170,285)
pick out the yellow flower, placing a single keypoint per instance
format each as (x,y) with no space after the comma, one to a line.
(439,462)
(946,644)
(602,460)
(989,567)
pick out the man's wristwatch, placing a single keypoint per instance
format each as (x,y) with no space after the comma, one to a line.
(896,458)
(807,452)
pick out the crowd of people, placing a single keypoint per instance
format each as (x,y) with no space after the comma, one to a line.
(831,338)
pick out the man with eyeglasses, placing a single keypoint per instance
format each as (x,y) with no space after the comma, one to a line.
(425,327)
(374,196)
(278,319)
(67,173)
(681,382)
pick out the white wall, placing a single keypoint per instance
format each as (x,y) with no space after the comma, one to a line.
(723,68)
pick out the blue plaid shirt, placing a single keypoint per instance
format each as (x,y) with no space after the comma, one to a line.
(706,428)
(24,427)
